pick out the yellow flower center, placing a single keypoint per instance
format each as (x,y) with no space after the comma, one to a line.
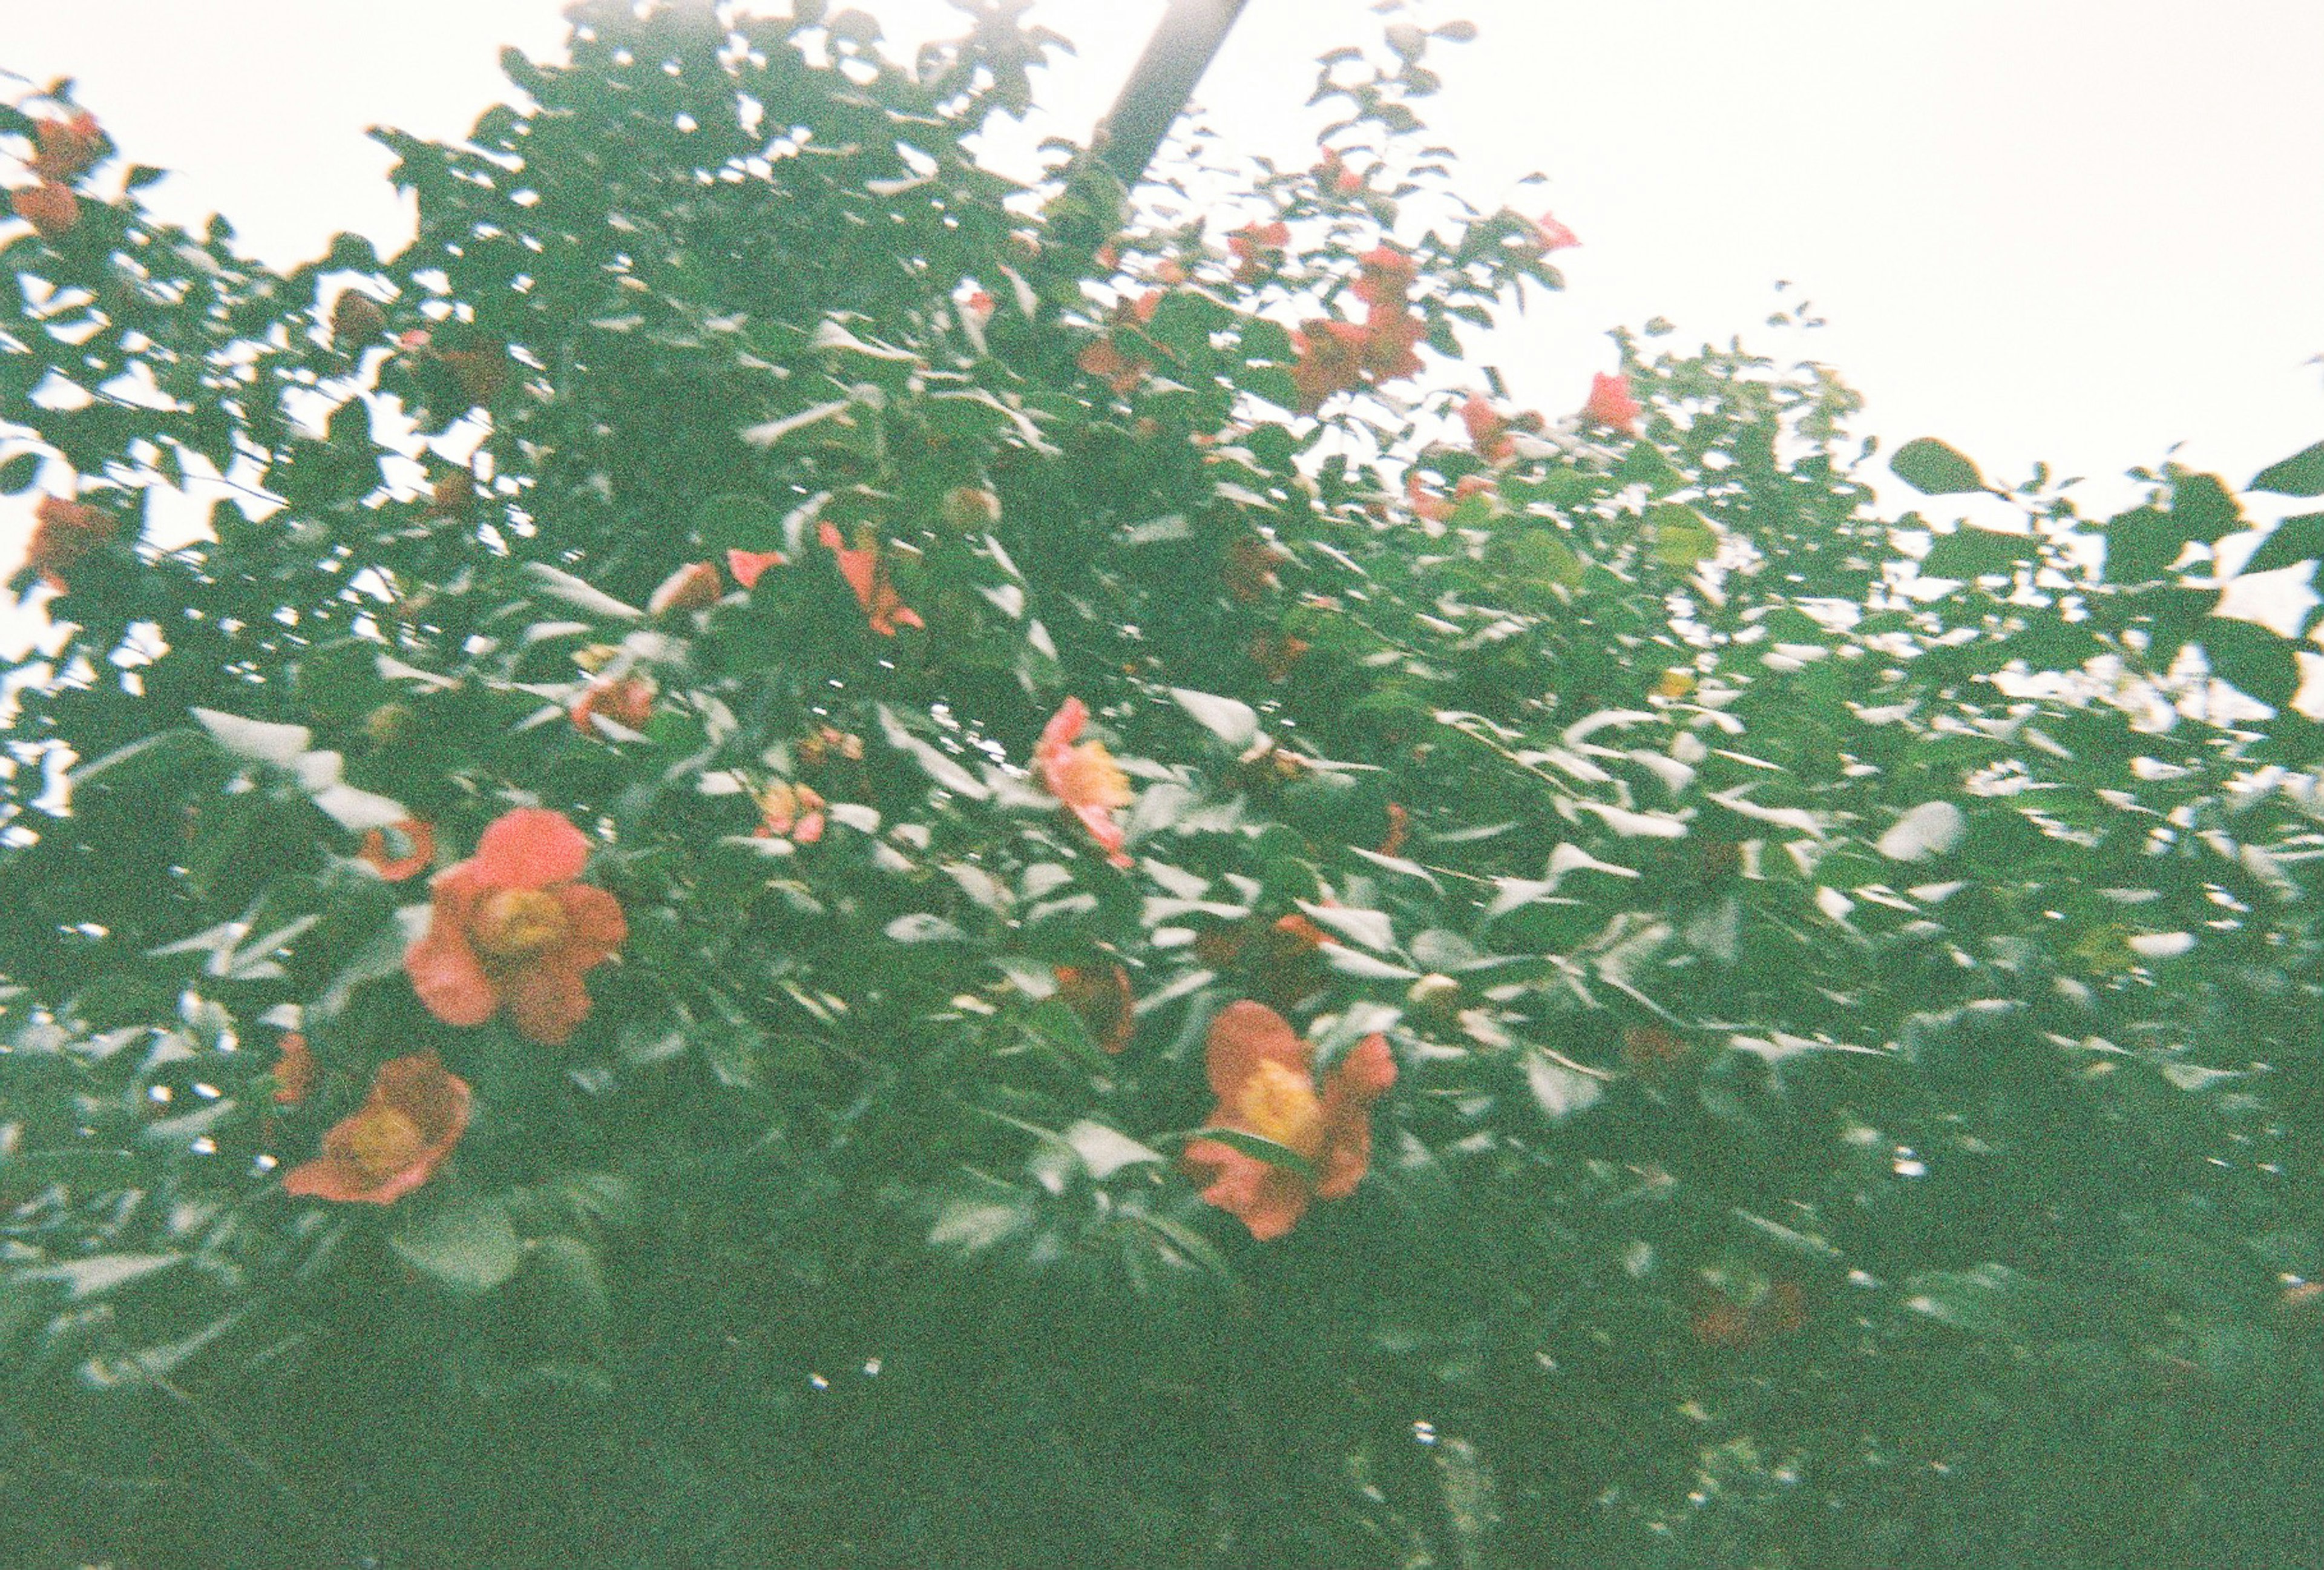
(518,923)
(1089,777)
(381,1142)
(1280,1105)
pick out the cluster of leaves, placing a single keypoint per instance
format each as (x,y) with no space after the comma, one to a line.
(1857,1006)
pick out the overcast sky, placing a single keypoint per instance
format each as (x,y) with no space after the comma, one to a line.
(2078,230)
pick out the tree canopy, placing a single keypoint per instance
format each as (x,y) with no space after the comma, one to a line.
(828,861)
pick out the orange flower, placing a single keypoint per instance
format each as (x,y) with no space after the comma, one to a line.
(1100,996)
(294,1069)
(861,566)
(1121,372)
(52,209)
(747,565)
(1258,249)
(64,149)
(1264,1077)
(793,812)
(418,842)
(1438,508)
(1391,332)
(1549,235)
(626,700)
(1330,359)
(393,1142)
(512,929)
(1385,274)
(64,532)
(692,587)
(1084,776)
(830,741)
(1610,403)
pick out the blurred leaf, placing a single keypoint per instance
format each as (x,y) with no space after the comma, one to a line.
(466,1246)
(2300,475)
(1935,469)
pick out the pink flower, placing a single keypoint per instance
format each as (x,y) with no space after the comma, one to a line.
(793,812)
(747,565)
(860,565)
(1264,1077)
(1084,776)
(1611,405)
(512,929)
(1551,236)
(393,1142)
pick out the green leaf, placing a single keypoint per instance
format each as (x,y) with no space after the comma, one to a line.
(1971,553)
(2293,542)
(1231,720)
(1682,536)
(1263,1149)
(2141,546)
(1935,469)
(142,175)
(18,473)
(467,1246)
(2252,657)
(2300,475)
(2202,509)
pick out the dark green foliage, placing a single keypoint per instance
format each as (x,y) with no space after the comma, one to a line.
(1858,1040)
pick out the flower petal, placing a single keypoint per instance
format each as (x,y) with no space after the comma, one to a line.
(547,1001)
(444,969)
(1266,1199)
(1353,1084)
(529,847)
(596,926)
(1242,1036)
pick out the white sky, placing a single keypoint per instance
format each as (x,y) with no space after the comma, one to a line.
(2078,230)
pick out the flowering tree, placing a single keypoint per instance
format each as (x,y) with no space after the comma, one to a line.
(816,869)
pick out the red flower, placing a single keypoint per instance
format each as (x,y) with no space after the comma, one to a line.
(1258,249)
(793,812)
(1610,403)
(747,565)
(64,532)
(393,1142)
(980,306)
(1084,776)
(1391,332)
(52,209)
(861,566)
(294,1069)
(1385,275)
(627,701)
(1436,508)
(418,844)
(512,929)
(64,149)
(1100,996)
(692,587)
(1549,235)
(1264,1077)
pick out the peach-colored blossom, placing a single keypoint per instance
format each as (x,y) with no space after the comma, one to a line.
(867,575)
(65,150)
(512,929)
(748,565)
(415,1114)
(1263,1075)
(1610,403)
(790,811)
(418,850)
(1549,235)
(52,209)
(1084,777)
(64,532)
(626,700)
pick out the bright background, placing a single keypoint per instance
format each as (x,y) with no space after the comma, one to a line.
(2071,230)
